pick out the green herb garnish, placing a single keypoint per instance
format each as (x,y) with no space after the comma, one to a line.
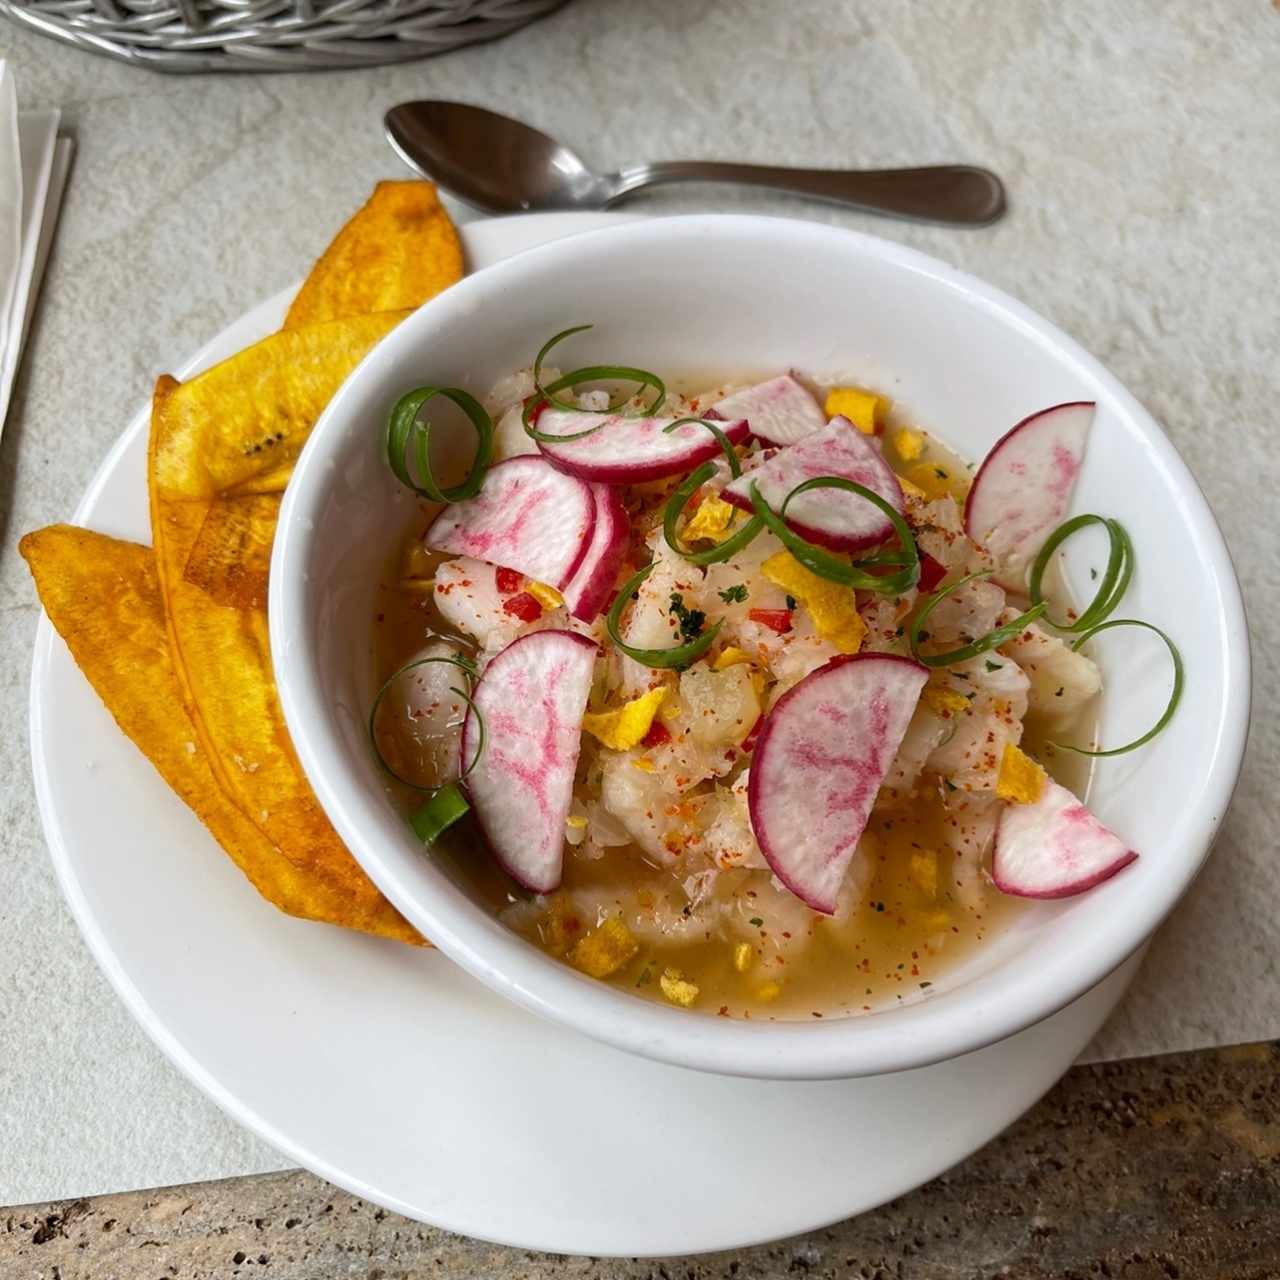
(677,656)
(406,431)
(735,594)
(691,620)
(992,640)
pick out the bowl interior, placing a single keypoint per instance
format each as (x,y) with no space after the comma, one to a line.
(715,295)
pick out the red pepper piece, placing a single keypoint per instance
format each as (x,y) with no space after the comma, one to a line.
(657,735)
(509,581)
(522,606)
(931,572)
(778,620)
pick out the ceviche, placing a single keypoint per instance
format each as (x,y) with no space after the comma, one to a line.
(764,702)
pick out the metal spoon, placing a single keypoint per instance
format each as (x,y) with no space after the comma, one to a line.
(503,166)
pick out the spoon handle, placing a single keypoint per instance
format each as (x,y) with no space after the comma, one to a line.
(955,193)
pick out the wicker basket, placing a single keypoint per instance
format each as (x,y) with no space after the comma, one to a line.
(271,35)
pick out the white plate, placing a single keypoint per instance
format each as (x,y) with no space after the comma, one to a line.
(393,1074)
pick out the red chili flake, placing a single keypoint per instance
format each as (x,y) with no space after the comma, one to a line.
(931,572)
(522,606)
(509,581)
(657,735)
(778,620)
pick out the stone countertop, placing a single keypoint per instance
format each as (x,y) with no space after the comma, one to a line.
(1144,1170)
(1141,143)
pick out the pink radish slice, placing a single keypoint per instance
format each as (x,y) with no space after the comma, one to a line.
(531,699)
(629,450)
(1023,487)
(822,754)
(527,516)
(1054,848)
(779,411)
(593,582)
(828,517)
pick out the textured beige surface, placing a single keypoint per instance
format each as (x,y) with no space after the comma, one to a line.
(1069,1192)
(1141,142)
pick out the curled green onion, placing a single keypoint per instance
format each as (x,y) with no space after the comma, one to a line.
(405,430)
(832,567)
(676,504)
(1174,698)
(464,665)
(678,656)
(992,640)
(439,813)
(1115,578)
(546,395)
(726,446)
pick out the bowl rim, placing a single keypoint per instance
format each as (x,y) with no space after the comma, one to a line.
(839,1047)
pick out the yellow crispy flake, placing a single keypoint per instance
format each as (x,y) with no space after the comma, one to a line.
(743,956)
(769,992)
(833,608)
(676,989)
(711,521)
(944,702)
(604,950)
(923,870)
(548,597)
(625,727)
(908,444)
(644,764)
(864,409)
(576,820)
(730,657)
(910,490)
(1020,780)
(935,479)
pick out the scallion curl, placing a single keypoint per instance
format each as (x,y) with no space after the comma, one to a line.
(1175,696)
(545,396)
(826,565)
(463,664)
(992,640)
(671,516)
(405,430)
(678,656)
(1115,578)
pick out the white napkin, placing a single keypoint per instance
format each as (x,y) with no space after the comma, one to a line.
(34,162)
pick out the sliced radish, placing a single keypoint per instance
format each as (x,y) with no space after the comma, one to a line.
(593,581)
(829,517)
(530,699)
(629,450)
(821,757)
(527,516)
(1023,487)
(1054,848)
(779,411)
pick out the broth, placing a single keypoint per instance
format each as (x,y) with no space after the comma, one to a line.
(926,906)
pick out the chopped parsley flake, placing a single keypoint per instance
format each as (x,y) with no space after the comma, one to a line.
(690,620)
(994,666)
(645,978)
(941,473)
(755,922)
(1093,573)
(791,603)
(951,786)
(735,594)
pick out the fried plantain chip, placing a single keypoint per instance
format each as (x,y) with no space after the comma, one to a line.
(220,650)
(238,427)
(397,252)
(232,553)
(103,597)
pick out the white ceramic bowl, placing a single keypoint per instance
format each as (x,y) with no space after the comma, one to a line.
(718,294)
